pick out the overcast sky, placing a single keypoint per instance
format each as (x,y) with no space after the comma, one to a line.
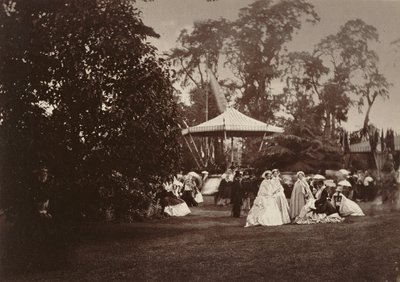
(169,17)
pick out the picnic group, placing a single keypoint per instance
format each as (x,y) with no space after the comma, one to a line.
(313,198)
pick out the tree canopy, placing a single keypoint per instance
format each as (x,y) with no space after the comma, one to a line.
(83,92)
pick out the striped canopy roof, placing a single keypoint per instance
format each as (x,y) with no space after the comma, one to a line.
(365,147)
(233,124)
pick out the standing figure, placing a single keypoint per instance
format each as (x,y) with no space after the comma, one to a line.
(300,194)
(236,195)
(188,191)
(265,210)
(280,196)
(246,185)
(41,192)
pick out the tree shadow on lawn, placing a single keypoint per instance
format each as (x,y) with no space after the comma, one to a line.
(202,247)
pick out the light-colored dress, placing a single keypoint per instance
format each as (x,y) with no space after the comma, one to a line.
(281,200)
(300,193)
(346,206)
(265,210)
(307,216)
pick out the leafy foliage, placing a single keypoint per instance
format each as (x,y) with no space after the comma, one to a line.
(255,48)
(341,72)
(83,92)
(305,152)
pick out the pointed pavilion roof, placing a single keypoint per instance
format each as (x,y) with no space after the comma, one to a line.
(234,124)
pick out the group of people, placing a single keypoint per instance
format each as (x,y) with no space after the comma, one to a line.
(181,192)
(310,201)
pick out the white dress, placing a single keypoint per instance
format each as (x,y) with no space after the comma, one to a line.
(347,207)
(176,206)
(265,210)
(281,200)
(307,216)
(181,209)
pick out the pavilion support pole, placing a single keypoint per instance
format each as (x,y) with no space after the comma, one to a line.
(224,143)
(190,148)
(191,151)
(262,141)
(197,151)
(231,150)
(194,145)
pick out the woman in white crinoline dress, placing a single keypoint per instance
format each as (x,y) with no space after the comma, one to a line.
(173,205)
(265,210)
(318,210)
(345,206)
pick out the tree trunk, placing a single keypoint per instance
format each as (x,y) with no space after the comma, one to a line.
(333,128)
(327,129)
(366,119)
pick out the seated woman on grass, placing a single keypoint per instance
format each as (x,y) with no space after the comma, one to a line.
(171,204)
(318,210)
(345,206)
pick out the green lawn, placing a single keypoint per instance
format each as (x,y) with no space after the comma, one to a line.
(208,245)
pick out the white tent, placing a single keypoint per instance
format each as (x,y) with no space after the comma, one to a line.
(232,123)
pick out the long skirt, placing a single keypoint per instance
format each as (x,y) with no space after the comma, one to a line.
(308,216)
(177,210)
(265,211)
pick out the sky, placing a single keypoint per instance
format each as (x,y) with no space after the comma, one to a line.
(169,17)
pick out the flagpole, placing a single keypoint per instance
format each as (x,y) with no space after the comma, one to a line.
(262,141)
(194,145)
(208,150)
(190,149)
(224,143)
(232,149)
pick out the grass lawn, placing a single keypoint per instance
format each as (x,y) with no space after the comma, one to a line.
(209,245)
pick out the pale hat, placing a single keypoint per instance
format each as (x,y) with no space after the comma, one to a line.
(300,172)
(265,173)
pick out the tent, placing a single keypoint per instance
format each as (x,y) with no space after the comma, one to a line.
(231,123)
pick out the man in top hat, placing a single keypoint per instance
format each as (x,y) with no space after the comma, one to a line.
(236,194)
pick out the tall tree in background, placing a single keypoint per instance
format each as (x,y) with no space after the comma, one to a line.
(255,48)
(198,51)
(83,92)
(353,70)
(303,74)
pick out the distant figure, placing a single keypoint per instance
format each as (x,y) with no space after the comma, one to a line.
(369,187)
(224,189)
(322,204)
(318,210)
(236,195)
(170,203)
(389,181)
(247,186)
(300,194)
(265,210)
(188,191)
(280,196)
(344,206)
(41,191)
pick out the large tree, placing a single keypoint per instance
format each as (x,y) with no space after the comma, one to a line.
(341,72)
(354,70)
(255,48)
(82,91)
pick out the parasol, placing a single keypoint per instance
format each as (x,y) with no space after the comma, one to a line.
(197,178)
(330,183)
(318,177)
(344,171)
(344,183)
